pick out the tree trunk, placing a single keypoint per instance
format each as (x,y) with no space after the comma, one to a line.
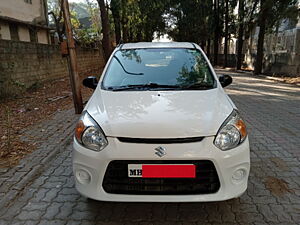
(208,48)
(261,38)
(216,31)
(117,30)
(124,26)
(106,41)
(226,35)
(202,45)
(115,8)
(240,35)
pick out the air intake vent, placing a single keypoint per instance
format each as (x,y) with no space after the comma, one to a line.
(160,140)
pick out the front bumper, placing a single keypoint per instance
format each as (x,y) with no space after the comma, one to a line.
(226,164)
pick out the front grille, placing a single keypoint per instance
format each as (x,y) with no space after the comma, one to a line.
(116,180)
(160,140)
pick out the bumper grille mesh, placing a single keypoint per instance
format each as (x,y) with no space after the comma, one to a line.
(116,180)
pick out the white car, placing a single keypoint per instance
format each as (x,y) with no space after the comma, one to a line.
(160,128)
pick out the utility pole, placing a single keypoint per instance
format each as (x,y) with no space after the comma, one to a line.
(73,70)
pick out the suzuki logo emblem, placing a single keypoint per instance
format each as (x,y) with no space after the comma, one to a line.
(160,151)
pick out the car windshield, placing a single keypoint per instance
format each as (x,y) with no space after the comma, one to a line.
(158,68)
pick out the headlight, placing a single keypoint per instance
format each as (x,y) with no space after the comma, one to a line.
(89,134)
(232,132)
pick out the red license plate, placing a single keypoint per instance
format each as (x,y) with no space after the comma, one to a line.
(168,171)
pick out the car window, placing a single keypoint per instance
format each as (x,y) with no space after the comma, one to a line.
(166,66)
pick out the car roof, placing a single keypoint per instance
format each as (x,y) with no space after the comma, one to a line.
(157,45)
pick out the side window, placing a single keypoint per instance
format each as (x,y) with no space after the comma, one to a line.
(28,1)
(13,29)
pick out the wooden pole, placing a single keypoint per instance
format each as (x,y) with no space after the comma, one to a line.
(74,77)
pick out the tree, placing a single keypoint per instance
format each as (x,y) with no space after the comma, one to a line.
(54,9)
(116,13)
(138,20)
(216,25)
(226,33)
(230,26)
(246,16)
(82,35)
(89,30)
(240,41)
(271,13)
(263,14)
(106,40)
(190,21)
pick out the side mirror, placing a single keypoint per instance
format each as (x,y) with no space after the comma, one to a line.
(90,82)
(225,80)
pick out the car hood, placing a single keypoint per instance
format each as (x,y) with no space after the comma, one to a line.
(160,114)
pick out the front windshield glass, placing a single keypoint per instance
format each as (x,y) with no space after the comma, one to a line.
(166,66)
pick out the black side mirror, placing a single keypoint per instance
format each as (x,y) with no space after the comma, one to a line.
(90,82)
(225,80)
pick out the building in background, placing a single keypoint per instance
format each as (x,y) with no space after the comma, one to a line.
(281,49)
(24,20)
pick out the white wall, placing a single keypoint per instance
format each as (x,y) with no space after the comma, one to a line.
(42,36)
(23,33)
(4,31)
(20,10)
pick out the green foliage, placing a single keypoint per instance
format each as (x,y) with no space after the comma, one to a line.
(190,20)
(84,35)
(139,19)
(90,34)
(183,20)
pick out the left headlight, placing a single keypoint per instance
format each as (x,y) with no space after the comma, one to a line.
(89,134)
(232,132)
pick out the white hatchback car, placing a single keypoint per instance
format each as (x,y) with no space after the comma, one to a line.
(160,128)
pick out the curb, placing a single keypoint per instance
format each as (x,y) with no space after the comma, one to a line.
(279,80)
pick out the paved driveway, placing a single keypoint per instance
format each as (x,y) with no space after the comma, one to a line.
(272,113)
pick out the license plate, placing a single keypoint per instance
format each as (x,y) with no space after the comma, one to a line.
(162,170)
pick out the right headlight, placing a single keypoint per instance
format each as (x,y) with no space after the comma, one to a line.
(89,134)
(232,132)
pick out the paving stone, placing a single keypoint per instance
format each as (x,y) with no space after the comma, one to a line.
(36,206)
(50,195)
(39,181)
(31,222)
(73,222)
(269,215)
(39,195)
(249,217)
(3,222)
(52,210)
(17,222)
(86,215)
(281,214)
(65,210)
(52,222)
(30,215)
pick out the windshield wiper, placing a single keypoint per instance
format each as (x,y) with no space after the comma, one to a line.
(144,86)
(196,86)
(130,73)
(202,86)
